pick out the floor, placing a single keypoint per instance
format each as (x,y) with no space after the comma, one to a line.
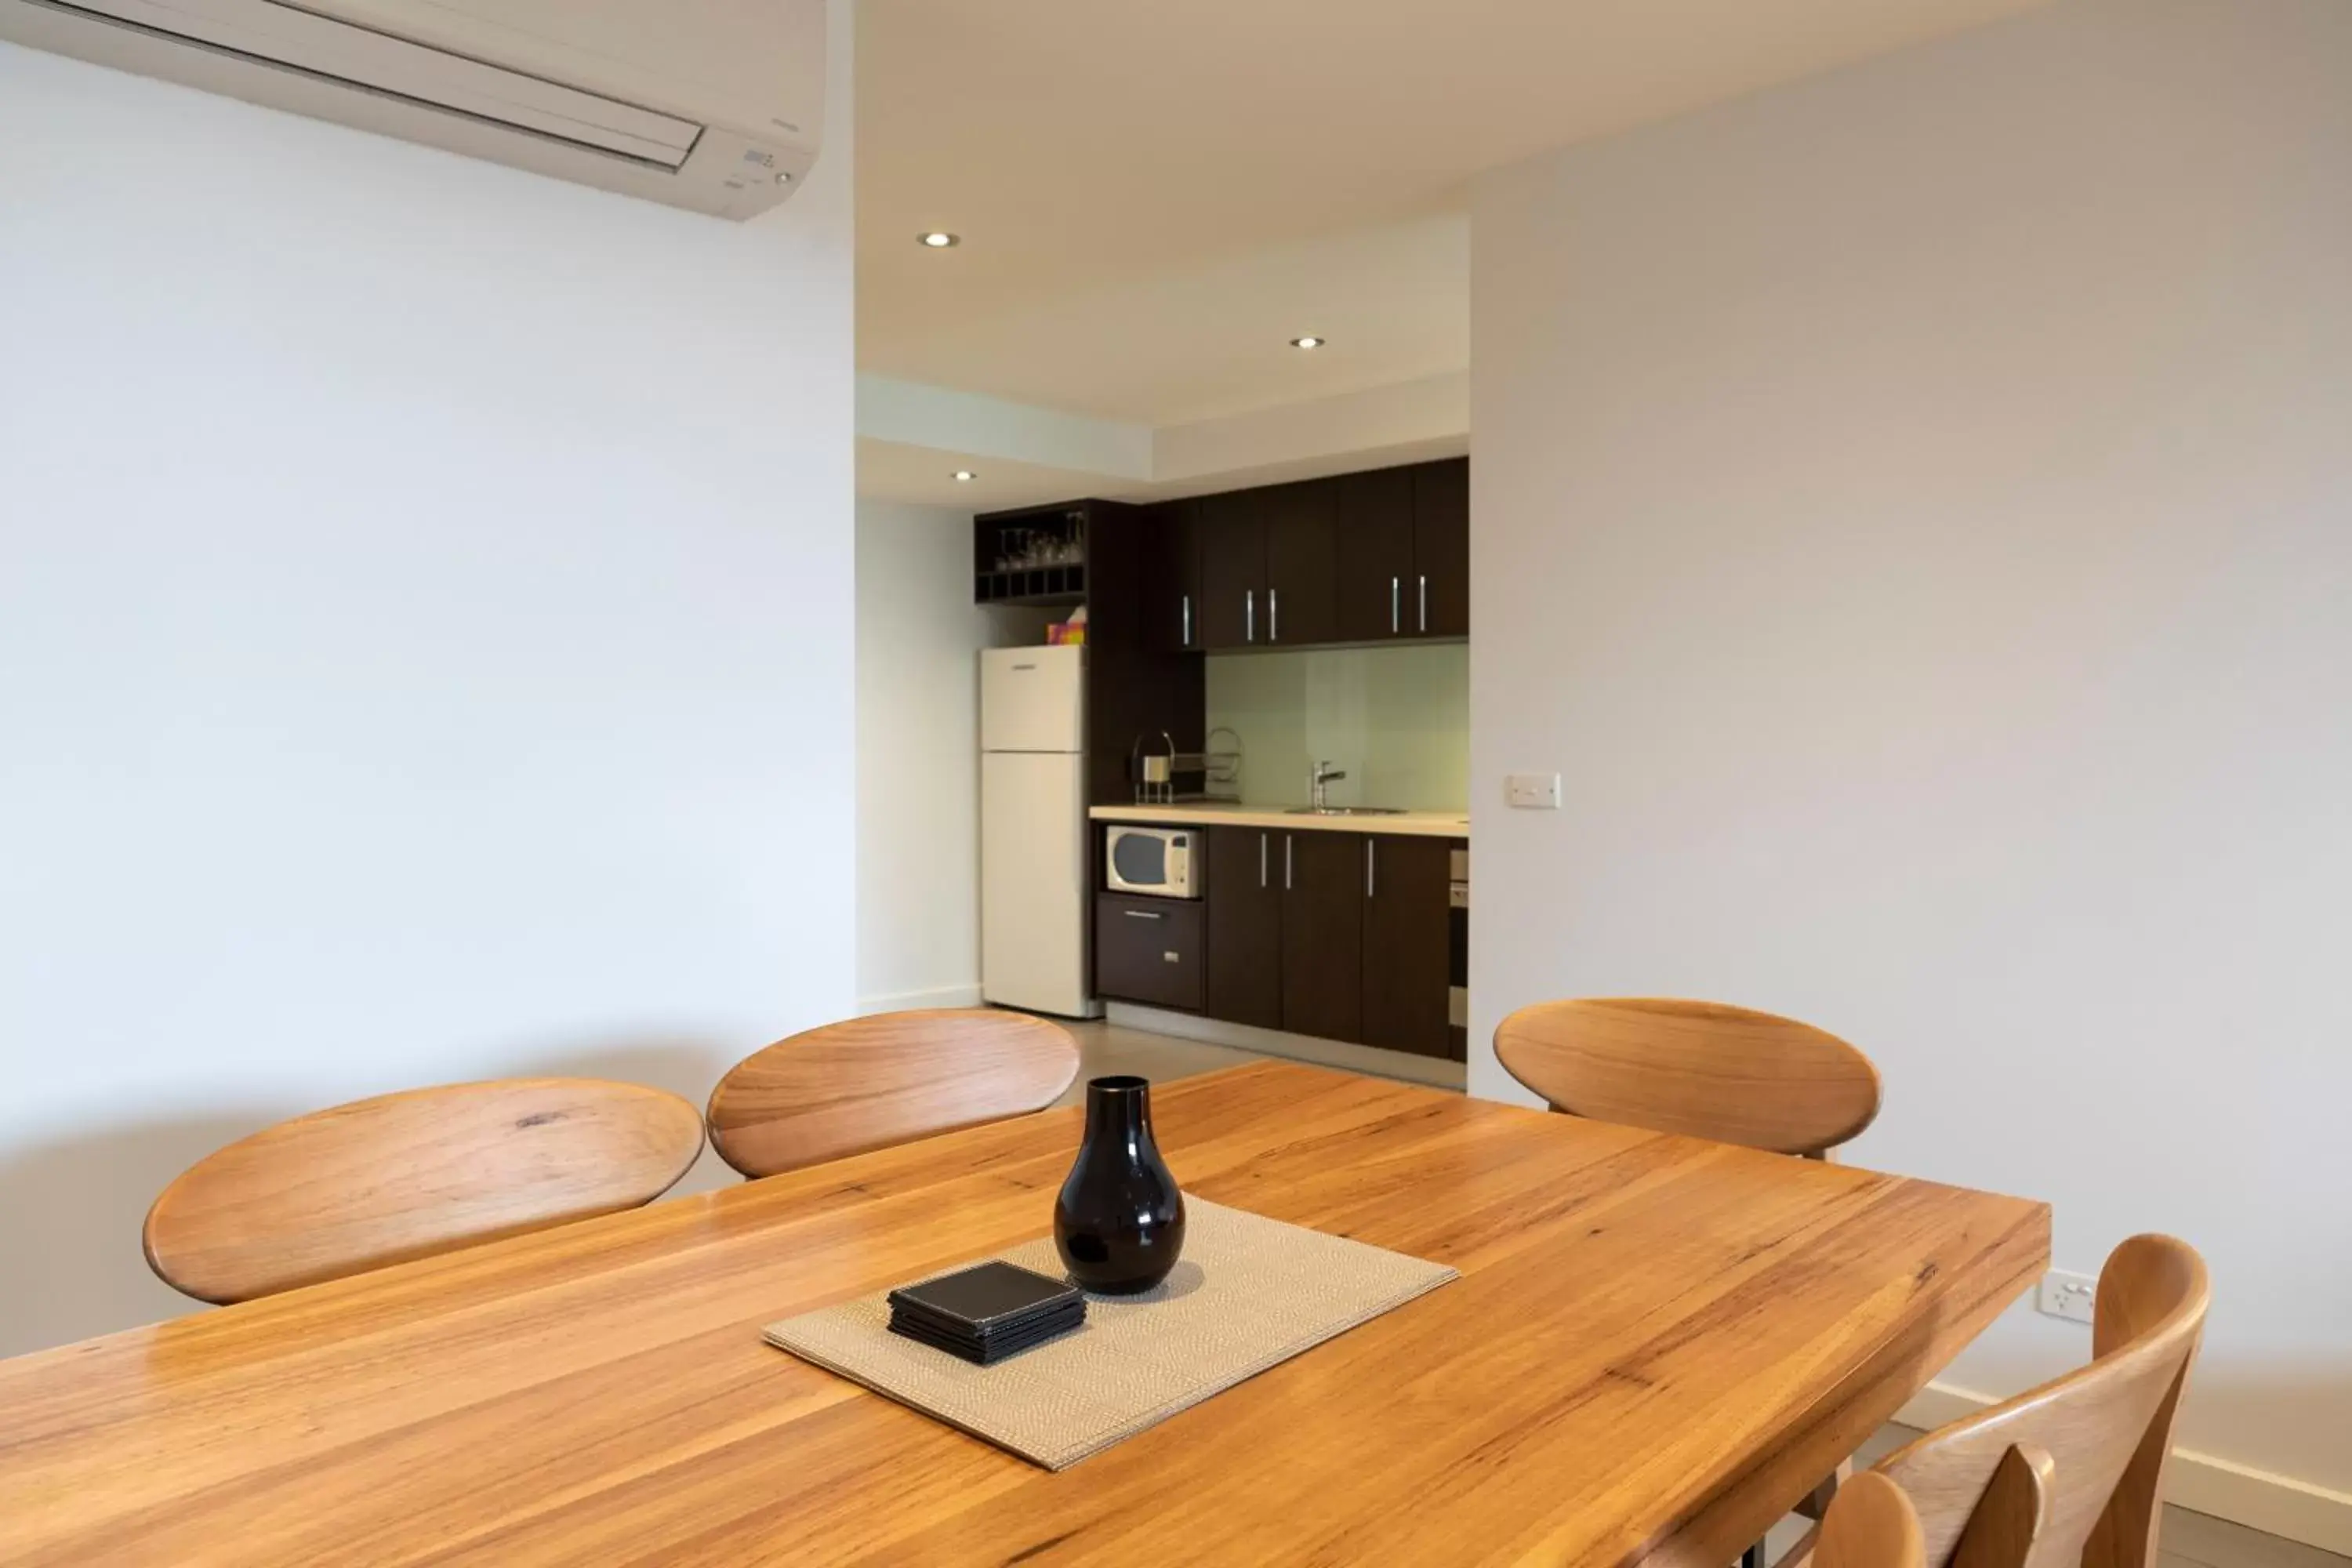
(2186,1540)
(1108,1048)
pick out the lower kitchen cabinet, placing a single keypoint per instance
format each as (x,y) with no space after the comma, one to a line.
(1245,926)
(1149,951)
(1343,936)
(1323,934)
(1407,944)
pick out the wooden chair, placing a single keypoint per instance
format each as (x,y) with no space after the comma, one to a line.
(869,1083)
(1871,1525)
(2070,1475)
(1695,1067)
(404,1175)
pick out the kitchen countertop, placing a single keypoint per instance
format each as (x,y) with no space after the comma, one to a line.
(1220,814)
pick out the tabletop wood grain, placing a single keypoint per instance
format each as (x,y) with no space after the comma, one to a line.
(1656,1346)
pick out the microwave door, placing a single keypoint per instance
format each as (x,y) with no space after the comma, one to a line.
(1139,861)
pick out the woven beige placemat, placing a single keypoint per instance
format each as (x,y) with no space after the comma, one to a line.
(1249,1293)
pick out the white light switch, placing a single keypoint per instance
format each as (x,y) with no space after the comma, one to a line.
(1532,792)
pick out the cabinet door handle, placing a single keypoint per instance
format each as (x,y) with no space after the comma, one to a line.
(1369,845)
(1274,615)
(1249,615)
(1396,596)
(1144,915)
(1424,601)
(1285,862)
(1188,621)
(1261,858)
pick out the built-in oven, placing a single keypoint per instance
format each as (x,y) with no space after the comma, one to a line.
(1457,960)
(1156,862)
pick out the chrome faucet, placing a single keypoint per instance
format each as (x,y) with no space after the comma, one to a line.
(1319,775)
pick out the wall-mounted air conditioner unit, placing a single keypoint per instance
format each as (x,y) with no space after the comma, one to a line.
(716,105)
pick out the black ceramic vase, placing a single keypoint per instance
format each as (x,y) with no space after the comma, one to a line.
(1119,1222)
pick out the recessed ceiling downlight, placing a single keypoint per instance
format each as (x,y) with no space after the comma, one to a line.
(940,239)
(1308,342)
(965,476)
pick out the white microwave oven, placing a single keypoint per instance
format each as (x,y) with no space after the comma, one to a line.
(1154,861)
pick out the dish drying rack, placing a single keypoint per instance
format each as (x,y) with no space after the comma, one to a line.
(1155,773)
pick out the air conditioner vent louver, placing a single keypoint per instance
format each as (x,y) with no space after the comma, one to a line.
(357,72)
(286,38)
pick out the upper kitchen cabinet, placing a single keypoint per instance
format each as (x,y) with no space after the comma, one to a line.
(1302,562)
(1363,558)
(1232,537)
(1173,602)
(1036,556)
(1441,548)
(1404,552)
(1376,577)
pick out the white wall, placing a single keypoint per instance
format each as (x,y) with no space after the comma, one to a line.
(425,604)
(1913,510)
(918,637)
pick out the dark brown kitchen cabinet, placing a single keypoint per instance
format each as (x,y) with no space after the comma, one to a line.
(1233,570)
(1245,926)
(1407,944)
(1323,933)
(1376,580)
(1302,562)
(1441,549)
(1173,609)
(1149,951)
(1362,558)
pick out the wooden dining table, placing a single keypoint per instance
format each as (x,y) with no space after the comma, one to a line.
(1656,1346)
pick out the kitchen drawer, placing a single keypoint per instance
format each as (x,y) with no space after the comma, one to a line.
(1148,950)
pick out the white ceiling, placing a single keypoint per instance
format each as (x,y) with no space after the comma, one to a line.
(1393,301)
(1154,197)
(898,471)
(913,438)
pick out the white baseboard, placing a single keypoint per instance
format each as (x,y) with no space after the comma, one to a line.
(907,1001)
(2203,1483)
(1368,1059)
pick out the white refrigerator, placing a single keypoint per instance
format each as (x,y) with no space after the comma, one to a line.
(1033,830)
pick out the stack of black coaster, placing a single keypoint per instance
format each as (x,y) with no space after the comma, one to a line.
(987,1312)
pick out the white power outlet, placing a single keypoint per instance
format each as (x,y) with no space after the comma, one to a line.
(1532,792)
(2068,1296)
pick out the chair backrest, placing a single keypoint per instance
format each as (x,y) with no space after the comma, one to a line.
(868,1083)
(1696,1067)
(1871,1525)
(2096,1439)
(405,1175)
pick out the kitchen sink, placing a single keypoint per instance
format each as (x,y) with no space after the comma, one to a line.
(1344,811)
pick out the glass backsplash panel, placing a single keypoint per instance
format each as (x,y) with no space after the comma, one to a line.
(1396,718)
